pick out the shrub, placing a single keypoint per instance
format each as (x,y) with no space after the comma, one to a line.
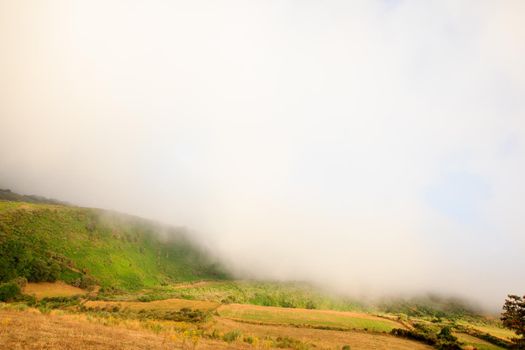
(39,270)
(54,271)
(51,303)
(446,334)
(232,336)
(427,338)
(43,271)
(311,305)
(290,343)
(86,282)
(28,300)
(449,346)
(20,281)
(9,291)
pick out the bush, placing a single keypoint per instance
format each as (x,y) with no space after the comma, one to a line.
(43,271)
(9,291)
(290,343)
(427,338)
(444,340)
(311,305)
(86,282)
(51,303)
(39,271)
(28,300)
(446,335)
(449,346)
(54,271)
(232,336)
(20,281)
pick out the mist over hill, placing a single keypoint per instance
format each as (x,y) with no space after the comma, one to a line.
(83,246)
(373,148)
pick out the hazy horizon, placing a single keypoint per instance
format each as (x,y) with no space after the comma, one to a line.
(373,147)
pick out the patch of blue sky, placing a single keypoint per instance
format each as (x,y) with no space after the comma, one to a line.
(458,196)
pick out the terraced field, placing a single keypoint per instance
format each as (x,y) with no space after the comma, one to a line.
(322,338)
(175,323)
(160,305)
(505,334)
(307,318)
(477,343)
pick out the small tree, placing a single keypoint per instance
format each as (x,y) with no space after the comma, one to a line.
(513,317)
(446,334)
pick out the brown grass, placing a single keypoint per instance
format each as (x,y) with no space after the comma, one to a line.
(324,339)
(193,284)
(275,309)
(329,319)
(476,342)
(167,304)
(56,289)
(32,330)
(21,330)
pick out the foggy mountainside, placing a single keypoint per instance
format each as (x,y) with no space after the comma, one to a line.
(44,242)
(262,174)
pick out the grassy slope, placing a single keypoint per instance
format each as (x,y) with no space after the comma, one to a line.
(476,342)
(118,250)
(307,318)
(282,294)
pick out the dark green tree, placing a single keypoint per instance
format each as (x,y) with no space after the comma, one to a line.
(446,334)
(513,317)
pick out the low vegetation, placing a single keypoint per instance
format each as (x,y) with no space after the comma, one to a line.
(321,319)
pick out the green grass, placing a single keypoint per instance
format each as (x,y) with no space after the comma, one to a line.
(476,342)
(493,329)
(281,294)
(309,318)
(120,251)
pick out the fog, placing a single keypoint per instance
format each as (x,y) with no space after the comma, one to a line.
(372,147)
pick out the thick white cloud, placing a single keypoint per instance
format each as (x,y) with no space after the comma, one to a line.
(376,147)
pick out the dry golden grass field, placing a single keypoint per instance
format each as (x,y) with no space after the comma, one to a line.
(35,331)
(308,318)
(103,324)
(163,305)
(32,330)
(323,339)
(56,289)
(499,332)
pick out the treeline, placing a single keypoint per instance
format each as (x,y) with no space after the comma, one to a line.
(8,195)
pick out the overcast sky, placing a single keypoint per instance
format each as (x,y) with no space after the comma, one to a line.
(372,146)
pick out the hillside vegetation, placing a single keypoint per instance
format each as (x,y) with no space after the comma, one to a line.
(47,242)
(158,290)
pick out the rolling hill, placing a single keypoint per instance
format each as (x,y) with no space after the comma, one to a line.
(158,289)
(46,241)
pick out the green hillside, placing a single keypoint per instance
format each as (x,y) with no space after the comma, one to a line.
(42,241)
